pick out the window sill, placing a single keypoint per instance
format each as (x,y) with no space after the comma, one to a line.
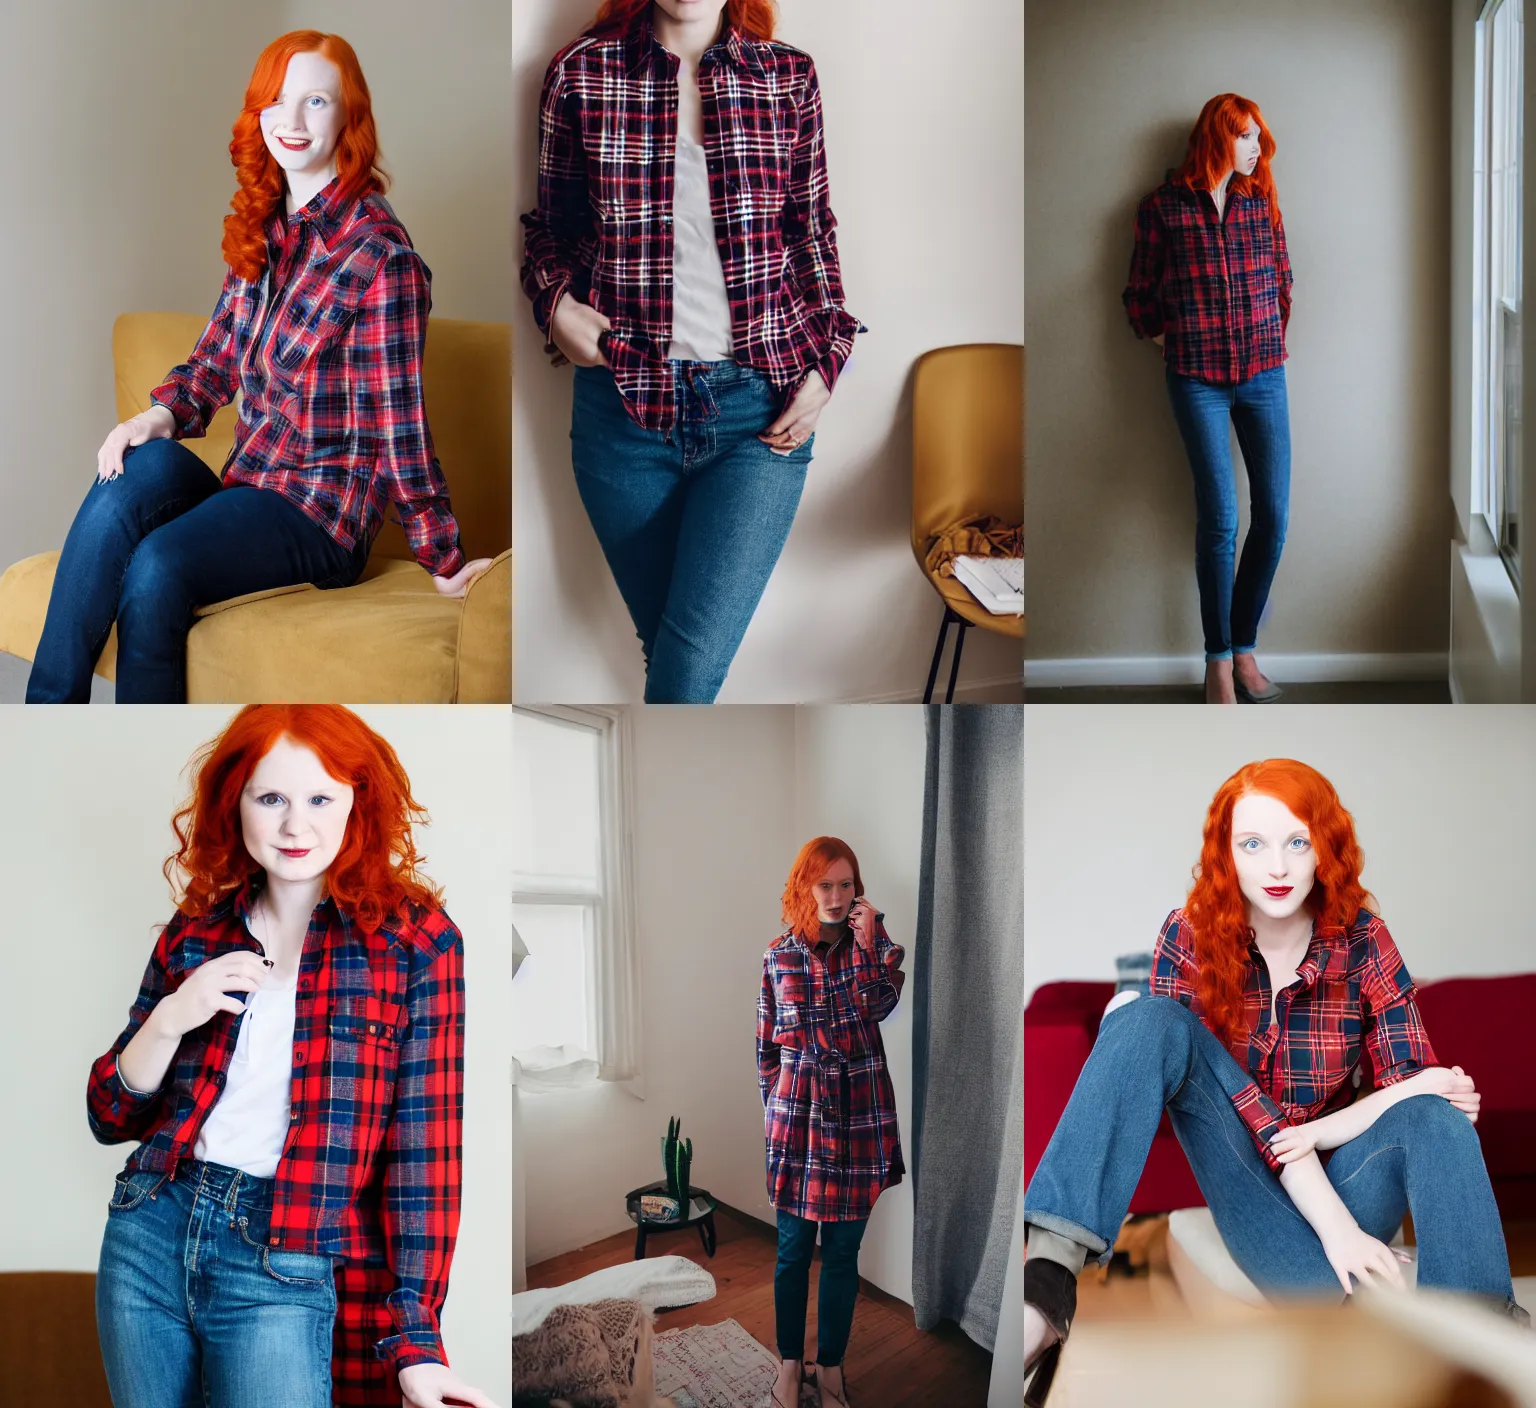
(1485,623)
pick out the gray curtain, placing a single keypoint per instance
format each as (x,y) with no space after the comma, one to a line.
(968,1016)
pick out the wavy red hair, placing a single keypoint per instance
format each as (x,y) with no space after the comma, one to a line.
(1209,157)
(754,18)
(374,874)
(815,859)
(1216,908)
(261,182)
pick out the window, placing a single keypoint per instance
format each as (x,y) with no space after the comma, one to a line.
(1498,385)
(574,995)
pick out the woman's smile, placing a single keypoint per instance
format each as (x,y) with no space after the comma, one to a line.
(295,144)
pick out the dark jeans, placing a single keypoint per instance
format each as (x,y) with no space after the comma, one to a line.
(836,1291)
(195,1310)
(1154,1054)
(147,549)
(692,526)
(1230,610)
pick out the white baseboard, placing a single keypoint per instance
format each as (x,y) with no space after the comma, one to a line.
(963,690)
(1108,671)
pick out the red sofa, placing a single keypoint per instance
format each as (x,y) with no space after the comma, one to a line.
(1483,1025)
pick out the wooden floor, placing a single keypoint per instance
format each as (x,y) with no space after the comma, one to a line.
(890,1363)
(1411,692)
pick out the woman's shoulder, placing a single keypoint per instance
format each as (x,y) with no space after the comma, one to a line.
(424,926)
(587,51)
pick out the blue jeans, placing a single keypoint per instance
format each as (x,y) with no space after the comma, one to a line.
(1230,610)
(691,526)
(1154,1054)
(195,1310)
(836,1291)
(147,549)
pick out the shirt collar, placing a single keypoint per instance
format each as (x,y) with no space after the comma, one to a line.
(325,211)
(243,901)
(641,46)
(1324,952)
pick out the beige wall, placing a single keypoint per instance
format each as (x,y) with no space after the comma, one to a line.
(119,177)
(83,835)
(924,144)
(1358,97)
(1442,800)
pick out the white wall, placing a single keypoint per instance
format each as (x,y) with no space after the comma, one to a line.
(1115,799)
(723,799)
(83,835)
(925,147)
(1358,97)
(121,206)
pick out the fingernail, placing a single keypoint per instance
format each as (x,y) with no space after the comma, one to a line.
(268,962)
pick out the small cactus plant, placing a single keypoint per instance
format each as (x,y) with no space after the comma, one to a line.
(677,1164)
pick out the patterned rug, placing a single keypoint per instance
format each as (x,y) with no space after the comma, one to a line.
(716,1366)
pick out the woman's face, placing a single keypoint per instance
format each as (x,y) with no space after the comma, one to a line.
(303,126)
(293,814)
(1272,850)
(834,893)
(1245,149)
(691,11)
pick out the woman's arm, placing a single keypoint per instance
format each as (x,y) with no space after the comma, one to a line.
(385,345)
(555,231)
(877,974)
(207,380)
(1143,290)
(1331,1130)
(810,239)
(419,1210)
(767,1048)
(1283,276)
(1350,1251)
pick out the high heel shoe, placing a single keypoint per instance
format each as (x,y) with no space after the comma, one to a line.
(773,1393)
(827,1398)
(1052,1290)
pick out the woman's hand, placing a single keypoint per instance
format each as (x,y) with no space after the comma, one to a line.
(862,919)
(1159,341)
(797,421)
(1352,1252)
(1297,1141)
(459,584)
(436,1385)
(206,991)
(1453,1083)
(156,423)
(575,329)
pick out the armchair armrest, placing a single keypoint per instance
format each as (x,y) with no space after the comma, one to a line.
(485,637)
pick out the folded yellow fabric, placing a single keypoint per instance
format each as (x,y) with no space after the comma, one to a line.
(982,536)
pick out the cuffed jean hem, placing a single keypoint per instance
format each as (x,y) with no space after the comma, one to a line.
(1214,659)
(1099,1251)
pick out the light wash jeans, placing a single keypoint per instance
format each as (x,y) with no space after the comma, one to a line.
(1154,1054)
(195,1310)
(692,526)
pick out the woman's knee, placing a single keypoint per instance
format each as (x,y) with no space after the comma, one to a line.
(155,580)
(1429,1117)
(796,1245)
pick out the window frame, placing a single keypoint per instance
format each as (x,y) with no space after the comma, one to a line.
(612,996)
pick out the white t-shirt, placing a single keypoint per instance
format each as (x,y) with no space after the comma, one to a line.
(701,307)
(248,1125)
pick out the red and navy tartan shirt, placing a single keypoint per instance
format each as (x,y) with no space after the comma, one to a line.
(830,1109)
(370,1171)
(602,230)
(1217,286)
(1352,993)
(325,349)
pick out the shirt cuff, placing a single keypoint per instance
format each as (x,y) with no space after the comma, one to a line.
(183,412)
(1263,1118)
(417,1340)
(116,1084)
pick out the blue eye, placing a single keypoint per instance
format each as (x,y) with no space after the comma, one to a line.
(319,801)
(1299,843)
(269,799)
(1250,844)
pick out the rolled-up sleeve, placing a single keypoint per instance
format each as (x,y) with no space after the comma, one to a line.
(1394,1029)
(117,1113)
(1143,289)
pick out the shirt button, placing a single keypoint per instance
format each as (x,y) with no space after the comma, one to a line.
(293,1117)
(298,1056)
(277,1241)
(305,984)
(218,1079)
(373,1027)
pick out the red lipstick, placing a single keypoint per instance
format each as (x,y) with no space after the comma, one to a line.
(1278,892)
(294,855)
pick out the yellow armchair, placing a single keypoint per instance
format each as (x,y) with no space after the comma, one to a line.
(388,638)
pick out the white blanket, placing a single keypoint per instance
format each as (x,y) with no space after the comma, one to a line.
(656,1282)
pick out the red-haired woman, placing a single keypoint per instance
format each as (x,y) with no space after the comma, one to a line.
(1270,990)
(320,329)
(682,255)
(292,1073)
(1210,284)
(829,980)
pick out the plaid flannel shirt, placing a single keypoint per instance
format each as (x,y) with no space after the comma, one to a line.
(325,350)
(1352,993)
(1217,287)
(830,1109)
(602,230)
(370,1171)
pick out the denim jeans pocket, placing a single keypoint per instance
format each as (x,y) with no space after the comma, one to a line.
(288,1267)
(132,1187)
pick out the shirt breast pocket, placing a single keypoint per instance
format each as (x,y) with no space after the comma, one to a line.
(790,999)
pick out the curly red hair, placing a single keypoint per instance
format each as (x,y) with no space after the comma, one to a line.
(374,874)
(1209,158)
(754,18)
(261,181)
(815,859)
(1216,908)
